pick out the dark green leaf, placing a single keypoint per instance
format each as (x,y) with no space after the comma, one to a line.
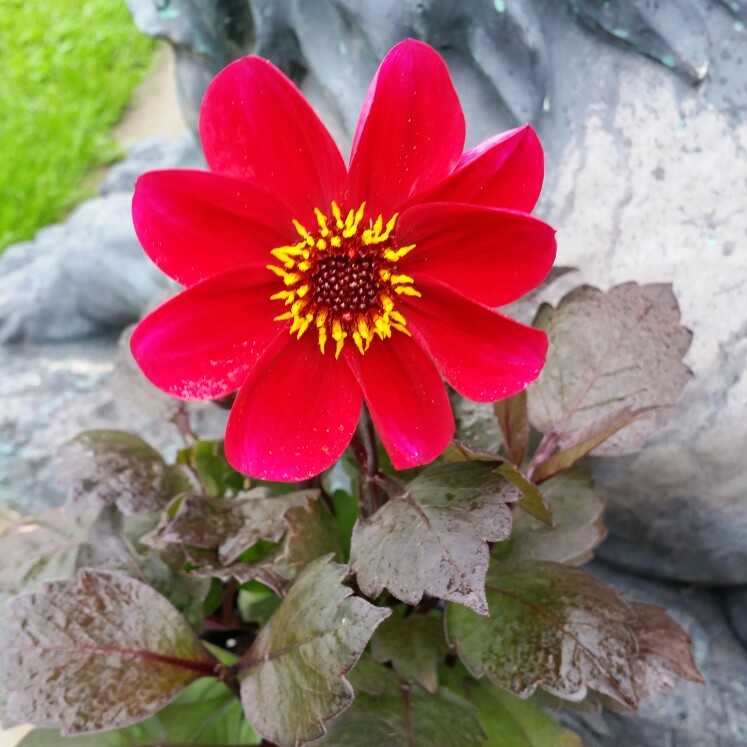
(550,626)
(533,500)
(404,715)
(95,652)
(206,713)
(257,603)
(216,475)
(578,527)
(294,673)
(609,351)
(414,645)
(312,532)
(347,513)
(514,423)
(106,468)
(432,539)
(510,721)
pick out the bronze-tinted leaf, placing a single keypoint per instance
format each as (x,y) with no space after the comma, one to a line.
(550,626)
(587,439)
(39,549)
(55,545)
(312,533)
(294,673)
(577,529)
(229,525)
(532,500)
(105,468)
(610,351)
(514,424)
(95,652)
(664,651)
(414,645)
(432,539)
(393,713)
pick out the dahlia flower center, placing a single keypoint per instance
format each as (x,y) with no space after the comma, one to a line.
(341,279)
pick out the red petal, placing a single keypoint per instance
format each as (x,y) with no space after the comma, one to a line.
(407,399)
(255,124)
(491,256)
(484,355)
(202,343)
(194,224)
(295,413)
(411,130)
(504,171)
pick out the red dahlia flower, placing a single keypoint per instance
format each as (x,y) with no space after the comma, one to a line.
(311,287)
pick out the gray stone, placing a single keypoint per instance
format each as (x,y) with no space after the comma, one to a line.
(645,177)
(150,154)
(500,53)
(636,189)
(50,392)
(735,603)
(89,274)
(79,283)
(83,278)
(710,715)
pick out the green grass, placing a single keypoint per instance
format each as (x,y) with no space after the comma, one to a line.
(67,68)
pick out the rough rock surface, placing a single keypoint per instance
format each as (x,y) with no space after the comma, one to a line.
(735,604)
(639,189)
(64,298)
(88,275)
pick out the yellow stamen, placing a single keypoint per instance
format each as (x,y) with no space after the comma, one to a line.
(312,297)
(321,219)
(283,296)
(392,256)
(337,215)
(304,325)
(407,291)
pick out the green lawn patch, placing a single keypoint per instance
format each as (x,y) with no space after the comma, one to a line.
(67,68)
